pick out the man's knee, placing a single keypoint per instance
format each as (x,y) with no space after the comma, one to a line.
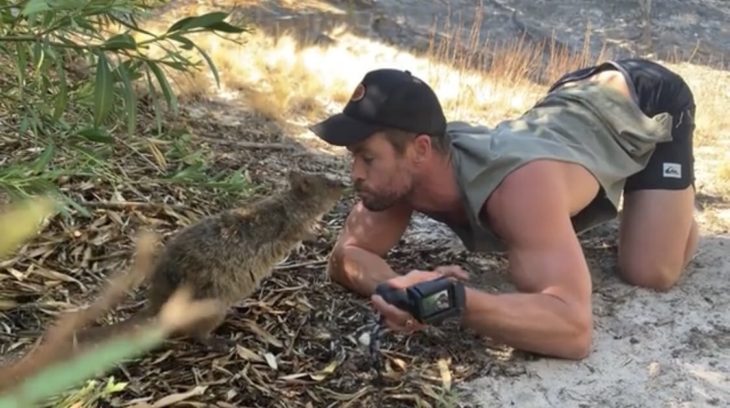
(650,274)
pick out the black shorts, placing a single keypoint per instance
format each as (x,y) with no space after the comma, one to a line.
(656,90)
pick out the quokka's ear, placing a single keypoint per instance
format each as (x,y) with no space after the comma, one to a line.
(293,175)
(298,179)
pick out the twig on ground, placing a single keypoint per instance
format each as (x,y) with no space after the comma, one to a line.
(300,264)
(248,145)
(132,204)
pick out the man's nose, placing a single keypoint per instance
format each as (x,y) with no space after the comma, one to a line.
(357,172)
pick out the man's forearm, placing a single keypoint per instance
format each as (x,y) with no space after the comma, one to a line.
(538,323)
(359,270)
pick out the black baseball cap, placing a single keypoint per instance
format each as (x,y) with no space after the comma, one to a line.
(384,98)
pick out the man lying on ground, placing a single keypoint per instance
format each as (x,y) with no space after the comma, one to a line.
(528,186)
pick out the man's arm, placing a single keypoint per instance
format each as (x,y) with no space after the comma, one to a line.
(552,315)
(357,260)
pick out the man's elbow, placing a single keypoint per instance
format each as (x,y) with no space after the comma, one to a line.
(336,265)
(582,340)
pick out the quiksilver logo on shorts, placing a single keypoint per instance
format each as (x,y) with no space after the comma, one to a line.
(672,170)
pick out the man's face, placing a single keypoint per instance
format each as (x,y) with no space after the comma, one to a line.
(381,176)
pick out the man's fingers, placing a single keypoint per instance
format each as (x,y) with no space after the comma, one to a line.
(453,271)
(395,318)
(409,326)
(416,276)
(389,311)
(411,278)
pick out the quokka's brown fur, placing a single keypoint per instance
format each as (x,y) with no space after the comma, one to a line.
(225,257)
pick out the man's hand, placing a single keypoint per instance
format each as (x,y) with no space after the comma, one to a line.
(400,320)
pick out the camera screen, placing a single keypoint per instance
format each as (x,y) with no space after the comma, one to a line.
(436,302)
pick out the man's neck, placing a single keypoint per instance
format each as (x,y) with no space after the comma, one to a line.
(436,191)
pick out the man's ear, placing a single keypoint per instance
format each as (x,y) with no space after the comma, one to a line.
(422,148)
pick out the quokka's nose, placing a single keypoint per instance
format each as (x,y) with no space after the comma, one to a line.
(334,181)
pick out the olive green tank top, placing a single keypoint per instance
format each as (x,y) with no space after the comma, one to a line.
(586,124)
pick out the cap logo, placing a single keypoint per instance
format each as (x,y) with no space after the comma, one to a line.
(358,94)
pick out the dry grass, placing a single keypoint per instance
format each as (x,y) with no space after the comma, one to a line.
(722,178)
(293,79)
(298,82)
(711,88)
(287,78)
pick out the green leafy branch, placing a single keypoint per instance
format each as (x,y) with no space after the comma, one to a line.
(44,37)
(74,74)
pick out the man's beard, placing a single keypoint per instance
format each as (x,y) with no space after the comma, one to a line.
(380,201)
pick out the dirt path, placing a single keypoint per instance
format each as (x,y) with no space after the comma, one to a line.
(649,349)
(665,350)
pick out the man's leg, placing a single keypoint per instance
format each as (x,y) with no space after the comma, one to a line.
(658,236)
(658,233)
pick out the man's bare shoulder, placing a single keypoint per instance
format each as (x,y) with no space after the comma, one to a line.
(534,192)
(542,185)
(531,213)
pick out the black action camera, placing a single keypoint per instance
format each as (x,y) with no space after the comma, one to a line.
(429,302)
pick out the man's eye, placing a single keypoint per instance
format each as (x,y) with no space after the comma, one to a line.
(367,159)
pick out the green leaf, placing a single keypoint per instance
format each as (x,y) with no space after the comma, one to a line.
(83,23)
(48,17)
(164,85)
(39,55)
(112,386)
(21,222)
(22,62)
(96,135)
(135,72)
(62,97)
(155,101)
(204,21)
(7,18)
(120,41)
(35,6)
(67,4)
(59,377)
(190,173)
(24,124)
(45,158)
(130,100)
(68,202)
(210,64)
(187,44)
(226,28)
(103,90)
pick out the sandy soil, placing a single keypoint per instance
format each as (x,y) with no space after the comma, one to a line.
(650,349)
